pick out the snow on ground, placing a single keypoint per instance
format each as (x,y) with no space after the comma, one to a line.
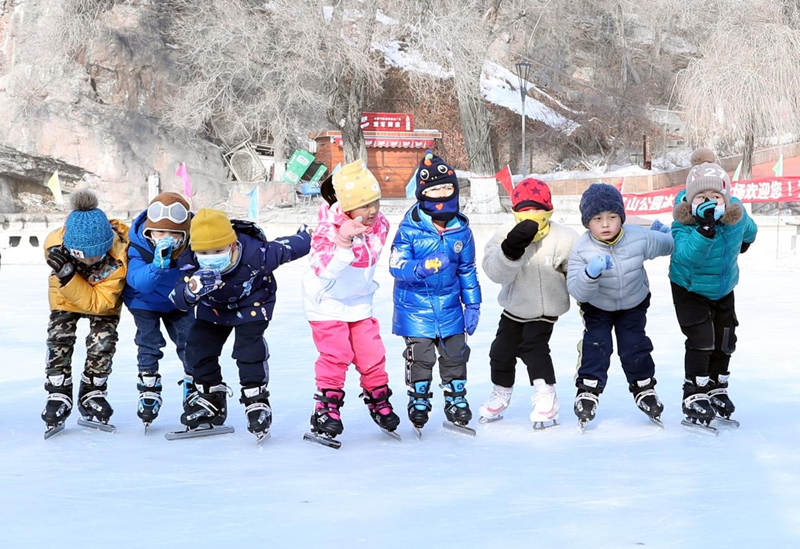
(625,483)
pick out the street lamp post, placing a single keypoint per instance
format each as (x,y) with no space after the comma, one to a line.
(523,73)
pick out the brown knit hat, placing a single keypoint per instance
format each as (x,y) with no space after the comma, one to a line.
(166,217)
(707,175)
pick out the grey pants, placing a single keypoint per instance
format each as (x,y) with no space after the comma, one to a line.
(420,356)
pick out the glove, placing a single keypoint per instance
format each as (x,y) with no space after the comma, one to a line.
(163,252)
(202,282)
(519,238)
(349,230)
(704,215)
(745,246)
(597,265)
(431,265)
(471,313)
(303,228)
(659,226)
(60,260)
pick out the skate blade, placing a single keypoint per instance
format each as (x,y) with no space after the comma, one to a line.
(261,438)
(726,423)
(146,428)
(199,432)
(98,425)
(460,429)
(699,427)
(657,421)
(53,431)
(582,425)
(418,432)
(484,419)
(394,434)
(543,425)
(323,440)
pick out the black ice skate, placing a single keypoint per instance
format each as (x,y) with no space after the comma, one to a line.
(721,402)
(149,387)
(58,405)
(645,397)
(92,404)
(258,411)
(456,407)
(586,401)
(380,409)
(419,405)
(326,421)
(696,405)
(204,413)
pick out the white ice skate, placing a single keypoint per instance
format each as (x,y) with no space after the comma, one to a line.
(498,401)
(545,405)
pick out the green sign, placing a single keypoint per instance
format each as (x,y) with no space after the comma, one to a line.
(296,166)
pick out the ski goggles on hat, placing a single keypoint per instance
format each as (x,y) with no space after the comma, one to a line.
(175,212)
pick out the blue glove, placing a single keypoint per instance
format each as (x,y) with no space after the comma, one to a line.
(471,313)
(432,264)
(659,226)
(163,252)
(598,264)
(202,282)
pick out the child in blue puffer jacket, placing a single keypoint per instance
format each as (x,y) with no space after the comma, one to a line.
(159,237)
(436,292)
(711,229)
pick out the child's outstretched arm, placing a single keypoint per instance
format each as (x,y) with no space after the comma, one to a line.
(658,243)
(286,248)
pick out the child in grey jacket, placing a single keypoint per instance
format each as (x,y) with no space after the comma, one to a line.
(606,276)
(529,259)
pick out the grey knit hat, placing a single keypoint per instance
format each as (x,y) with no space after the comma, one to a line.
(707,175)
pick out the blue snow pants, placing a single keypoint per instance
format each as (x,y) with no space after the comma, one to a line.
(149,339)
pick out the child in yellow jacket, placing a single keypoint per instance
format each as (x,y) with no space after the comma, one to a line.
(88,256)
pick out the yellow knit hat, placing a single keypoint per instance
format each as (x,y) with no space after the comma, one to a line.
(355,186)
(211,229)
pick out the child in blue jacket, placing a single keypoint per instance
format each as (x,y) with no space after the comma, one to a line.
(159,237)
(436,292)
(711,229)
(228,284)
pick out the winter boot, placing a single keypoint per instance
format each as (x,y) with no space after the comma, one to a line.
(545,405)
(419,403)
(59,400)
(377,400)
(92,403)
(718,394)
(498,401)
(586,400)
(326,419)
(149,387)
(259,414)
(207,405)
(456,407)
(645,397)
(187,383)
(696,404)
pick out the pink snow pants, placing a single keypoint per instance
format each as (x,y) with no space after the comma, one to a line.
(343,343)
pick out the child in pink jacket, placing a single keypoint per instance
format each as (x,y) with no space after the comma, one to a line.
(337,299)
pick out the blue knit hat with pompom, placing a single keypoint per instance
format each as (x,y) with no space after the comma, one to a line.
(87,229)
(601,197)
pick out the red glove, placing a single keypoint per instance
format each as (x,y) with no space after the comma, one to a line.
(349,230)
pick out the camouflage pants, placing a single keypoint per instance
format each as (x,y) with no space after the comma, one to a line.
(100,343)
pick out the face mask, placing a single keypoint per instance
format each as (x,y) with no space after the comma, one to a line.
(719,210)
(215,262)
(541,217)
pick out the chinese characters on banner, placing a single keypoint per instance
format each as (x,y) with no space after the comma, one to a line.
(766,189)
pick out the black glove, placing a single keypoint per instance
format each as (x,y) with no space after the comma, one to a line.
(704,215)
(519,238)
(60,261)
(745,246)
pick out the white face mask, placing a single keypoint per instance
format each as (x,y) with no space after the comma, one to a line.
(216,262)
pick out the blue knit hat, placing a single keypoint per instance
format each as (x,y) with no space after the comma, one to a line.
(87,229)
(600,197)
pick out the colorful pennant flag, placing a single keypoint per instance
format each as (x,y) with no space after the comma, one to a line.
(183,174)
(54,184)
(411,186)
(778,167)
(504,178)
(252,210)
(738,172)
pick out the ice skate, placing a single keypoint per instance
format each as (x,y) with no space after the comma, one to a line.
(326,421)
(645,397)
(92,404)
(586,401)
(545,405)
(149,387)
(419,405)
(721,402)
(498,401)
(187,387)
(696,405)
(456,407)
(377,401)
(258,411)
(58,405)
(204,413)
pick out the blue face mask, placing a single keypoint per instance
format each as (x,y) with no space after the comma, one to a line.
(215,262)
(719,211)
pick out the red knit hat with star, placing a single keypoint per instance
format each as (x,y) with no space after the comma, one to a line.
(531,193)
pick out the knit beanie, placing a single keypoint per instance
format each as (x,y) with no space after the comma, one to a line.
(433,171)
(706,175)
(601,197)
(87,232)
(166,217)
(355,186)
(531,193)
(210,230)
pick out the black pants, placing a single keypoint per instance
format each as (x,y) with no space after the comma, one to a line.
(420,356)
(633,345)
(527,340)
(204,345)
(710,330)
